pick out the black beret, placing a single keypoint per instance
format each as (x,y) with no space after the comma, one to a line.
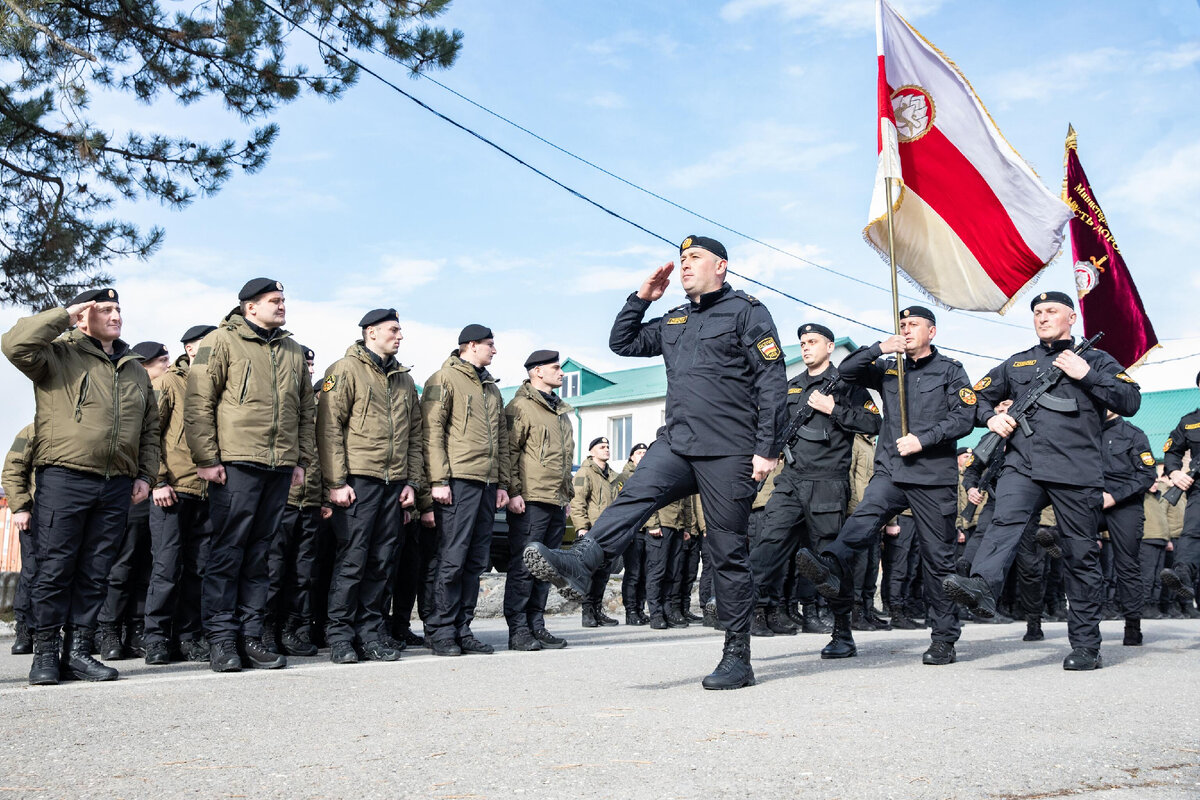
(919,311)
(258,286)
(197,332)
(309,355)
(1052,297)
(150,350)
(636,447)
(962,451)
(539,357)
(475,333)
(598,440)
(377,316)
(711,245)
(813,327)
(99,295)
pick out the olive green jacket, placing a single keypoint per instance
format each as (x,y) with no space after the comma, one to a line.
(93,415)
(369,422)
(312,492)
(249,399)
(465,435)
(595,490)
(176,468)
(541,444)
(677,516)
(17,476)
(862,468)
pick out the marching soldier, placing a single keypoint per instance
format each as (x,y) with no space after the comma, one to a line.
(18,482)
(541,444)
(1063,442)
(595,489)
(248,418)
(97,452)
(370,436)
(1181,578)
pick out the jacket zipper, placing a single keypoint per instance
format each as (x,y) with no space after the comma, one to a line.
(387,467)
(83,390)
(245,384)
(275,404)
(112,444)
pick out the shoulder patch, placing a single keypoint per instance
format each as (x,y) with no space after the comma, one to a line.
(677,320)
(970,459)
(203,353)
(1148,459)
(1028,363)
(870,406)
(967,396)
(18,445)
(329,384)
(510,420)
(1167,446)
(1122,376)
(580,480)
(432,393)
(769,349)
(983,383)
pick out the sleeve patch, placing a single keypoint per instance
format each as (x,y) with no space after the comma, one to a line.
(967,396)
(1167,446)
(1148,459)
(432,393)
(580,481)
(510,420)
(330,384)
(870,406)
(769,349)
(970,460)
(202,354)
(18,445)
(1122,376)
(984,382)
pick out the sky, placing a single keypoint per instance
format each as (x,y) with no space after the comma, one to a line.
(758,114)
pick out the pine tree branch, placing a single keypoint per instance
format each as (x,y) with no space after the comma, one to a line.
(51,35)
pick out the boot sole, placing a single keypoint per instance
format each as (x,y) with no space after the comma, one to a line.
(748,682)
(1046,540)
(83,676)
(543,570)
(1099,665)
(967,600)
(1170,579)
(225,667)
(832,657)
(271,665)
(827,584)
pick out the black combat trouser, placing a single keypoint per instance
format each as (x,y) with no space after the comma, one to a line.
(368,532)
(866,569)
(981,525)
(180,541)
(726,492)
(689,567)
(662,559)
(129,575)
(933,509)
(1077,510)
(899,558)
(633,579)
(1152,557)
(525,596)
(1126,523)
(245,513)
(415,577)
(800,513)
(291,563)
(27,542)
(464,548)
(1029,569)
(1187,546)
(706,572)
(80,520)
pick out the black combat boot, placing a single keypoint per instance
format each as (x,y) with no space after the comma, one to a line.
(108,642)
(604,620)
(23,643)
(794,613)
(380,650)
(685,609)
(903,622)
(973,594)
(295,640)
(1083,659)
(939,654)
(1189,609)
(223,656)
(44,671)
(872,614)
(588,616)
(259,656)
(962,566)
(758,625)
(158,653)
(734,671)
(812,620)
(858,619)
(523,640)
(548,640)
(842,643)
(675,618)
(270,639)
(195,650)
(1133,632)
(632,618)
(1033,629)
(136,631)
(571,570)
(77,661)
(778,622)
(658,622)
(1050,541)
(710,614)
(824,571)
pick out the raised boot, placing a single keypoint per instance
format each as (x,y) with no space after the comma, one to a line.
(824,571)
(587,616)
(570,571)
(1133,632)
(108,642)
(77,661)
(778,622)
(758,625)
(734,671)
(973,594)
(842,643)
(23,643)
(1033,629)
(812,620)
(1048,539)
(44,671)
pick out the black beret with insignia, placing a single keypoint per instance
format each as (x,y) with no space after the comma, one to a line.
(636,447)
(539,357)
(150,350)
(962,451)
(197,332)
(475,333)
(1052,297)
(919,311)
(711,245)
(377,316)
(99,295)
(259,286)
(309,355)
(813,327)
(598,440)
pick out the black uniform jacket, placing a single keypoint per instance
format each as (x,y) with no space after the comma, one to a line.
(726,384)
(825,443)
(1128,463)
(941,408)
(1185,437)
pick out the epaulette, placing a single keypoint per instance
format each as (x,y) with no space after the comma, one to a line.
(749,298)
(953,361)
(679,307)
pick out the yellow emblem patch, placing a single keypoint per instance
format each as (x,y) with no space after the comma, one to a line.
(1029,363)
(970,459)
(329,383)
(686,243)
(967,396)
(869,406)
(1167,446)
(676,320)
(892,372)
(795,390)
(769,349)
(1148,459)
(1192,427)
(984,382)
(1124,377)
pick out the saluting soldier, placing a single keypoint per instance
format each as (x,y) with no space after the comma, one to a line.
(97,452)
(1181,578)
(180,533)
(1058,457)
(917,470)
(541,444)
(467,461)
(248,417)
(18,482)
(725,418)
(370,435)
(595,489)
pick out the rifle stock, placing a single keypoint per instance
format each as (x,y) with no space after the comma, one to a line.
(1173,495)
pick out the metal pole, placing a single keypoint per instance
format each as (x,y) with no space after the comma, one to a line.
(887,182)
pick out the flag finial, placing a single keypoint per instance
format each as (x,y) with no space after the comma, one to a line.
(1072,139)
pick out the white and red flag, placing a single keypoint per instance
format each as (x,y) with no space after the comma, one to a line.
(973,224)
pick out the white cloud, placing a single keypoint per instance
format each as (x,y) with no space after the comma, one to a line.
(765,147)
(619,49)
(607,100)
(847,16)
(1071,71)
(1161,191)
(1181,57)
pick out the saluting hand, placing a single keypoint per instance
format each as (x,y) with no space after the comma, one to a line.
(78,312)
(656,285)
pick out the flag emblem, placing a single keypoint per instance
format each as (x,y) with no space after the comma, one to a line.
(329,383)
(914,112)
(984,382)
(769,349)
(1148,459)
(967,396)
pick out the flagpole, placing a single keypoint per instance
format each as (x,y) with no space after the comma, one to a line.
(887,183)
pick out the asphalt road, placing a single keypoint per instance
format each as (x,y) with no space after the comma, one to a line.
(620,713)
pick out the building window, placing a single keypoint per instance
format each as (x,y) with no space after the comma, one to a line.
(620,436)
(570,387)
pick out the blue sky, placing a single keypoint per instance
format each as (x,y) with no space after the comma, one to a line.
(756,113)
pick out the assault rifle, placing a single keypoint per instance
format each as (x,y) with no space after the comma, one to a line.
(1173,494)
(986,449)
(792,433)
